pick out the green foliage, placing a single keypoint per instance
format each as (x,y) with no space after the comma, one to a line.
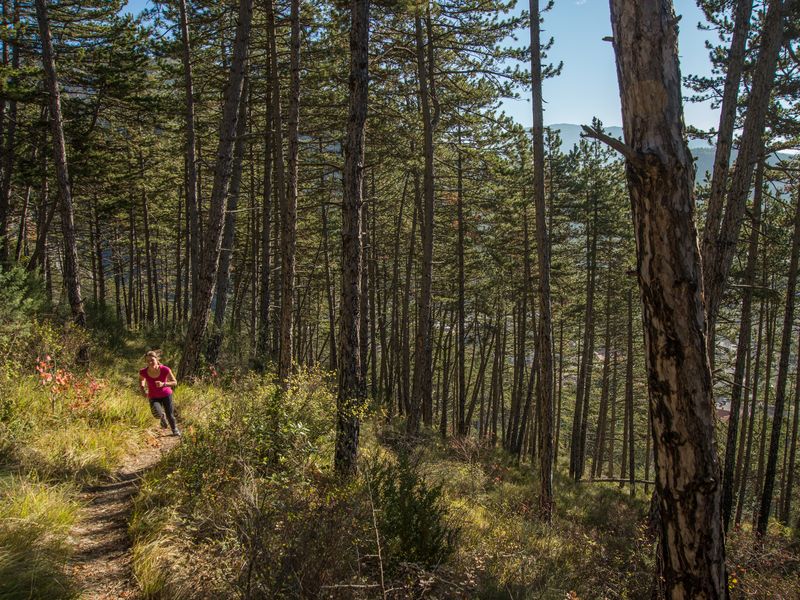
(21,303)
(412,515)
(21,295)
(107,330)
(245,499)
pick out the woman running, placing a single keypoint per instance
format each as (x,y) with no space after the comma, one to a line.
(156,381)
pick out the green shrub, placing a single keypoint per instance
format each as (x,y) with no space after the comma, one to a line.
(411,514)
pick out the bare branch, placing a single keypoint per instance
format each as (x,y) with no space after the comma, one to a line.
(618,145)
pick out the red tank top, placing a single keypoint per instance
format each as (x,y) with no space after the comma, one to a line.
(154,392)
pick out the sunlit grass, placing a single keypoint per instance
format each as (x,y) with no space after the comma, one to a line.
(35,520)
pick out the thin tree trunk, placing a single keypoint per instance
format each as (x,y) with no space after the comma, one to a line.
(222,175)
(98,250)
(405,372)
(460,337)
(602,419)
(229,232)
(717,266)
(584,384)
(560,388)
(289,212)
(262,351)
(330,291)
(612,434)
(727,119)
(423,375)
(772,316)
(363,335)
(71,267)
(741,356)
(192,184)
(790,470)
(780,387)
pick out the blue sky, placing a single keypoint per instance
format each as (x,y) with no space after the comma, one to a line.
(587,86)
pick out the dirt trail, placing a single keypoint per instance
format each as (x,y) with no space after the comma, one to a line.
(101,564)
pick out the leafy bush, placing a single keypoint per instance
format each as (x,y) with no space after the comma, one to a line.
(412,515)
(21,303)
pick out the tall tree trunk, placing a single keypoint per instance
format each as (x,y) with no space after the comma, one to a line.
(560,381)
(741,356)
(783,374)
(216,210)
(584,384)
(423,374)
(363,335)
(192,184)
(329,290)
(772,316)
(602,418)
(177,307)
(790,470)
(98,251)
(148,251)
(718,262)
(71,268)
(229,233)
(727,119)
(289,211)
(661,180)
(461,350)
(628,461)
(279,164)
(748,426)
(613,422)
(405,371)
(9,152)
(544,338)
(262,351)
(350,393)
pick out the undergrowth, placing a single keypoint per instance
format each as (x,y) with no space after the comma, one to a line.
(35,519)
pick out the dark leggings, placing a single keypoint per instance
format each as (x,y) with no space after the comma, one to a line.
(163,407)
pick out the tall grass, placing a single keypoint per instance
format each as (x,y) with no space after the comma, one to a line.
(50,445)
(35,520)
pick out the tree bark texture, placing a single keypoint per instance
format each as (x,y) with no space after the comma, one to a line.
(350,394)
(660,177)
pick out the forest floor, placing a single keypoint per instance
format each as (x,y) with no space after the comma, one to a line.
(103,550)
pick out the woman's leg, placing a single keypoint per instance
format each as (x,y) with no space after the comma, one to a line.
(170,412)
(157,409)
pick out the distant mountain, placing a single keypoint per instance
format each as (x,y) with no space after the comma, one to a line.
(703,153)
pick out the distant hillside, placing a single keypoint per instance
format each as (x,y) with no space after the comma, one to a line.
(702,152)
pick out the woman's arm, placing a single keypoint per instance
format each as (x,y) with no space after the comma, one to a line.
(143,385)
(170,380)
